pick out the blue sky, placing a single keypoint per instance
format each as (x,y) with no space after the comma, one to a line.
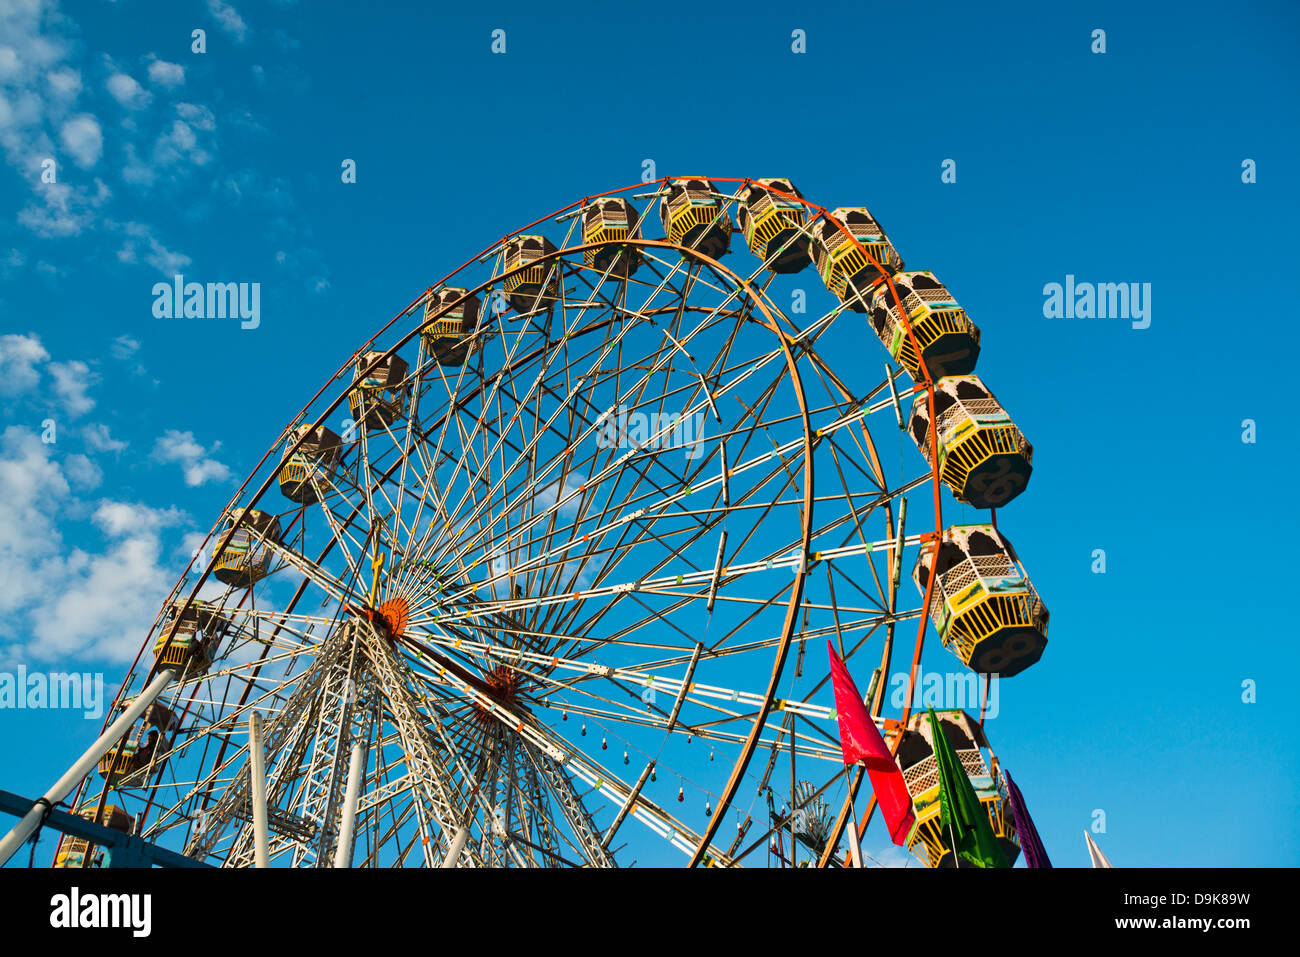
(1123,166)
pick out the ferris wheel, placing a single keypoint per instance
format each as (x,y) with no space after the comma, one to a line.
(542,575)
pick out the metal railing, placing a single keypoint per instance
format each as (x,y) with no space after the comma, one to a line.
(124,850)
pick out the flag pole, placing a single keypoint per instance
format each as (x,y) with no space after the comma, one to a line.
(934,748)
(952,839)
(855,848)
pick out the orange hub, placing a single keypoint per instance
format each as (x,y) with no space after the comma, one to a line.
(394,613)
(502,684)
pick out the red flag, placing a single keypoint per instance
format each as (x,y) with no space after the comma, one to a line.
(860,741)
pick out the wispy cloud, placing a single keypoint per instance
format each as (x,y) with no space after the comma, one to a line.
(82,471)
(66,210)
(195,461)
(228,19)
(99,438)
(83,138)
(94,601)
(124,347)
(19,358)
(72,380)
(167,75)
(142,243)
(49,113)
(127,90)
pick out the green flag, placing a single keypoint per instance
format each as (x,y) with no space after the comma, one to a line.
(961,816)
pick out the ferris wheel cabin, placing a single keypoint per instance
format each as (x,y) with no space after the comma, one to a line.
(535,288)
(773,225)
(305,474)
(379,393)
(984,606)
(850,269)
(245,556)
(450,317)
(693,217)
(983,457)
(915,754)
(73,851)
(189,641)
(146,747)
(608,221)
(949,341)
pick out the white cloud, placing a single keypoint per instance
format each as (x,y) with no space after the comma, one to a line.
(68,211)
(136,171)
(123,518)
(44,115)
(164,74)
(99,438)
(39,88)
(180,140)
(228,19)
(71,381)
(35,492)
(11,263)
(34,58)
(177,144)
(127,90)
(82,137)
(10,65)
(106,602)
(60,601)
(196,464)
(167,261)
(551,493)
(124,347)
(82,471)
(181,144)
(64,83)
(19,357)
(199,117)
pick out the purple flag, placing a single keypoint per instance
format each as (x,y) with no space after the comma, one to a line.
(1030,843)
